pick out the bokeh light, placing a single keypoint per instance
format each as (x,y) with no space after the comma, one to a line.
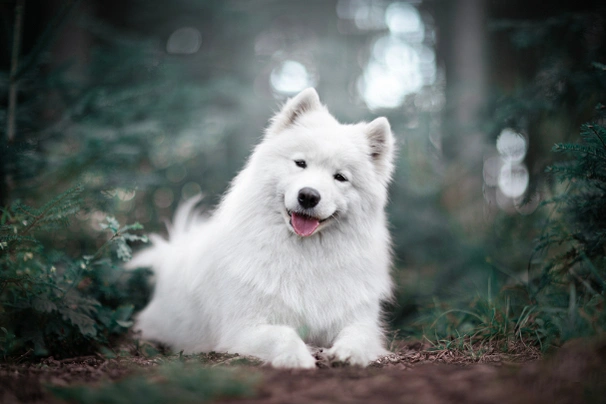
(365,14)
(184,41)
(163,197)
(190,190)
(400,62)
(513,174)
(513,179)
(404,19)
(290,77)
(511,145)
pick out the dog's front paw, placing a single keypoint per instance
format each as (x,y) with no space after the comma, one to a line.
(293,361)
(354,355)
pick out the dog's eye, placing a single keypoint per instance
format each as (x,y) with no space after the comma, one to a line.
(340,177)
(301,163)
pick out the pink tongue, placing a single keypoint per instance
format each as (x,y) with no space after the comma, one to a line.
(304,225)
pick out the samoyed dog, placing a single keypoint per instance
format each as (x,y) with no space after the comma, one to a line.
(296,255)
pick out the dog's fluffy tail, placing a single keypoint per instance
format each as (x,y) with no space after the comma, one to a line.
(185,218)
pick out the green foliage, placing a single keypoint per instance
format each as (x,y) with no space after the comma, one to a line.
(103,123)
(118,121)
(122,121)
(564,295)
(554,291)
(573,242)
(175,382)
(51,302)
(580,212)
(486,319)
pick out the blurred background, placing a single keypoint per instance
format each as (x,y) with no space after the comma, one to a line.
(146,103)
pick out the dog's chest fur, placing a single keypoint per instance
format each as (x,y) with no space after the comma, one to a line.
(310,284)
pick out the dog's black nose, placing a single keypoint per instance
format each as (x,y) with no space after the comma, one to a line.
(308,197)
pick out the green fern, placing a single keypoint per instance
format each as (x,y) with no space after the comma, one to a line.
(50,302)
(578,229)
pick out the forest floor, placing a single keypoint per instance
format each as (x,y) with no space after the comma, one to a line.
(414,373)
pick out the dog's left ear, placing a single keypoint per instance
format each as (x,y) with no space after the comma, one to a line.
(304,102)
(381,143)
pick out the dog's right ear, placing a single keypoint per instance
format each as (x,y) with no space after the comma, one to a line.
(304,102)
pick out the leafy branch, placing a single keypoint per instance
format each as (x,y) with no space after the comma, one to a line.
(53,302)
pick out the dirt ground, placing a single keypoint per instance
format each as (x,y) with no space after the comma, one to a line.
(415,373)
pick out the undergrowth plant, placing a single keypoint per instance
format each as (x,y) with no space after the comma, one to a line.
(52,303)
(560,293)
(573,244)
(564,295)
(486,321)
(102,121)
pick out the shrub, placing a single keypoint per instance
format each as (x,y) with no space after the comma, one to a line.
(52,303)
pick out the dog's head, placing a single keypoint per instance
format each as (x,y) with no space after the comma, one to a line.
(325,172)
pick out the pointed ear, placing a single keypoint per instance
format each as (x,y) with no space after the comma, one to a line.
(304,102)
(381,143)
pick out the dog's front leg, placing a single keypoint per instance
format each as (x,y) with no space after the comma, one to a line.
(358,344)
(279,345)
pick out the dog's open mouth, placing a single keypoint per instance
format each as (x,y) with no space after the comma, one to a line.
(304,225)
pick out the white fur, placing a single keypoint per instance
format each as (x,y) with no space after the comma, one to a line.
(242,281)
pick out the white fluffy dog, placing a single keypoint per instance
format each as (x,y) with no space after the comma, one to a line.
(296,254)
